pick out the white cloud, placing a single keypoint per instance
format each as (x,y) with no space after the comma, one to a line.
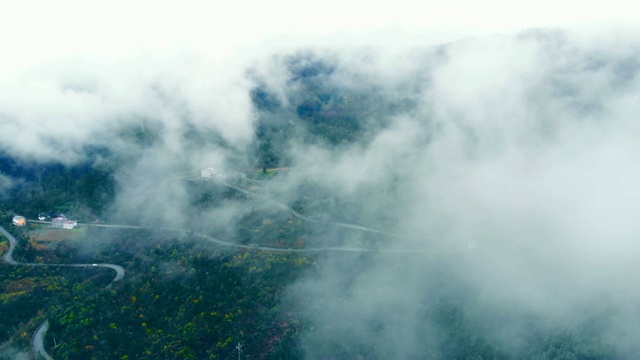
(523,147)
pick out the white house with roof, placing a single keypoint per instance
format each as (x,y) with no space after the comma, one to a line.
(63,223)
(70,224)
(211,172)
(19,220)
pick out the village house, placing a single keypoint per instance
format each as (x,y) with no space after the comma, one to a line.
(63,223)
(211,172)
(19,220)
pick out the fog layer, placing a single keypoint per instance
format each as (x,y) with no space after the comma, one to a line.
(511,161)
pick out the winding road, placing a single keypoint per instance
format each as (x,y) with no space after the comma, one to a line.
(38,336)
(8,258)
(37,341)
(303,250)
(308,219)
(254,247)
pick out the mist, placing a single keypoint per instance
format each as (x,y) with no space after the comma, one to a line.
(508,161)
(517,169)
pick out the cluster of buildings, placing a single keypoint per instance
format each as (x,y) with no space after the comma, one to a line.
(211,172)
(58,222)
(62,222)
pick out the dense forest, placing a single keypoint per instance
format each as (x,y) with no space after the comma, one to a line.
(185,296)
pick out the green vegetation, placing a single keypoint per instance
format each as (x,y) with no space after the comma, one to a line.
(184,297)
(183,301)
(27,292)
(82,191)
(321,111)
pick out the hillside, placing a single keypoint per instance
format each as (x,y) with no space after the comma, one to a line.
(470,200)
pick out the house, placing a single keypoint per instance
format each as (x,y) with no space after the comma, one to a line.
(210,172)
(61,222)
(19,220)
(70,224)
(57,222)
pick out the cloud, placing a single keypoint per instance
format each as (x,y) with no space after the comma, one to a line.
(6,183)
(8,352)
(510,159)
(517,172)
(52,112)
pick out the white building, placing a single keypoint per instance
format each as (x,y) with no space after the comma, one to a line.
(19,220)
(63,223)
(57,222)
(210,172)
(70,224)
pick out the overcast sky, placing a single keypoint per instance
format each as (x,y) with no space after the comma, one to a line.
(33,31)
